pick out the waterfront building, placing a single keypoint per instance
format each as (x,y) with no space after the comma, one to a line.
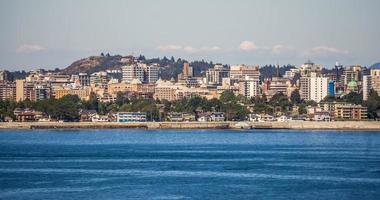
(29,115)
(350,112)
(211,117)
(86,115)
(131,117)
(322,116)
(175,117)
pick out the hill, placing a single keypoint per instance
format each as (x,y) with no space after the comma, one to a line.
(169,68)
(94,64)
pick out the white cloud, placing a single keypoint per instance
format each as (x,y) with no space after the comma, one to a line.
(277,49)
(323,50)
(248,45)
(169,47)
(213,48)
(188,49)
(29,48)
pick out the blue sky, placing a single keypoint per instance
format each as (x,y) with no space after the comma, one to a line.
(52,33)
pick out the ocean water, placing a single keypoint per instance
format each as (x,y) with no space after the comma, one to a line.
(189,164)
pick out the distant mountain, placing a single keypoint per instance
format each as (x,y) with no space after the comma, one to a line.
(94,64)
(375,66)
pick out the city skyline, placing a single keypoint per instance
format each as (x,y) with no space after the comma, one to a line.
(49,34)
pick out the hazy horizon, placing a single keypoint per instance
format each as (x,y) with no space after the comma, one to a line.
(50,34)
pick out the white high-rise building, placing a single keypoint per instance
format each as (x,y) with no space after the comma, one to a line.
(249,87)
(367,85)
(144,73)
(151,73)
(314,87)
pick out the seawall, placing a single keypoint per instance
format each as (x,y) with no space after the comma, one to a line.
(337,125)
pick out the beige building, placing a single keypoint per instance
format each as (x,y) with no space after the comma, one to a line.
(134,86)
(170,91)
(242,71)
(375,80)
(82,93)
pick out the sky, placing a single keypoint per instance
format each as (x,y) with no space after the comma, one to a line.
(52,33)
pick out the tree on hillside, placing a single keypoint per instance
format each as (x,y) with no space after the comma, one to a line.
(373,105)
(354,98)
(295,97)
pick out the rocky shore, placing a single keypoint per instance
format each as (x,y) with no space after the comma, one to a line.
(312,125)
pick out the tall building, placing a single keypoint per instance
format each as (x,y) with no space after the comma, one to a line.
(375,82)
(249,87)
(351,73)
(5,75)
(32,90)
(338,71)
(318,88)
(314,87)
(240,72)
(144,73)
(99,79)
(7,90)
(187,70)
(305,88)
(151,74)
(214,76)
(84,79)
(41,92)
(367,85)
(331,88)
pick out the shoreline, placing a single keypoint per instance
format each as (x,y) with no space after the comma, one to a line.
(300,125)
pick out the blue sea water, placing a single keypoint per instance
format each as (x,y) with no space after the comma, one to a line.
(189,164)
